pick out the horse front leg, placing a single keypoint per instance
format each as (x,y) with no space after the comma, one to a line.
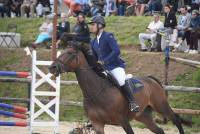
(98,127)
(127,127)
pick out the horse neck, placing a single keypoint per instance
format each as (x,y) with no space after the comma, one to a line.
(91,84)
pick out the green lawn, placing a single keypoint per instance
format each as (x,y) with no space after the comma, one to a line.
(126,29)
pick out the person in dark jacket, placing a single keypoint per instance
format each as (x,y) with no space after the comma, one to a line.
(63,26)
(170,17)
(170,24)
(81,30)
(5,7)
(15,7)
(106,52)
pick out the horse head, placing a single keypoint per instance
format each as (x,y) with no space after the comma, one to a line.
(69,61)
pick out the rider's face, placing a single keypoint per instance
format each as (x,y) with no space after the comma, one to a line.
(93,28)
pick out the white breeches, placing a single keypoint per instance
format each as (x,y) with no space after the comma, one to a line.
(119,74)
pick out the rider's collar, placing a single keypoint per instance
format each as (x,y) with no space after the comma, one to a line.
(99,36)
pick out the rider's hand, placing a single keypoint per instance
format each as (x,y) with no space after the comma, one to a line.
(100,62)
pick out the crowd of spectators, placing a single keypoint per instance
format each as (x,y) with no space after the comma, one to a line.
(26,8)
(175,31)
(78,32)
(181,23)
(92,7)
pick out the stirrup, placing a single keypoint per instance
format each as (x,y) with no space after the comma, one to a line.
(134,107)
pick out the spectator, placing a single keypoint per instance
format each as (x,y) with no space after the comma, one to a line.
(81,29)
(181,3)
(96,7)
(195,4)
(194,32)
(154,6)
(174,4)
(75,6)
(15,7)
(140,7)
(46,30)
(164,2)
(153,27)
(183,24)
(63,27)
(131,7)
(27,7)
(42,7)
(59,6)
(110,7)
(5,7)
(170,17)
(170,24)
(121,4)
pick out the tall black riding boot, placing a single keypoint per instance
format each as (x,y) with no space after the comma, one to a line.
(127,90)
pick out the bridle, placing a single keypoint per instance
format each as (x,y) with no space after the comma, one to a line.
(65,65)
(71,56)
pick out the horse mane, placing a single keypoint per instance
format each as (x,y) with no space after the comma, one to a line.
(94,67)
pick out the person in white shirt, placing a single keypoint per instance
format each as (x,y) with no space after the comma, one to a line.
(46,31)
(153,27)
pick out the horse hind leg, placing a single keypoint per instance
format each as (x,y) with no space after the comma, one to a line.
(165,110)
(147,119)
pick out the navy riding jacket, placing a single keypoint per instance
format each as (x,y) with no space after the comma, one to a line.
(108,51)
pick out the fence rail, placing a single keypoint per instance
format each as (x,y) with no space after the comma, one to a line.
(26,80)
(192,63)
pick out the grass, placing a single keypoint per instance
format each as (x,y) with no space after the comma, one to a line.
(126,29)
(187,100)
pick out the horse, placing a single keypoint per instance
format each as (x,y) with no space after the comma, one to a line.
(105,104)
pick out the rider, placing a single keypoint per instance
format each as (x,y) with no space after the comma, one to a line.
(106,51)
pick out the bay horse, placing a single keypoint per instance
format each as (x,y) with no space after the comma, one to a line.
(105,104)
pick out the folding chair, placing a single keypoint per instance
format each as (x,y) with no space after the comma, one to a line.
(10,33)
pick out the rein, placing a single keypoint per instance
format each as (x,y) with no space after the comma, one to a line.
(69,59)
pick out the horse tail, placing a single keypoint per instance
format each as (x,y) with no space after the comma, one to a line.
(155,79)
(182,120)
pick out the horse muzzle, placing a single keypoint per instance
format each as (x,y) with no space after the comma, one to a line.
(53,69)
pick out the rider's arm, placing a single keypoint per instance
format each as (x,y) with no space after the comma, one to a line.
(94,54)
(115,51)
